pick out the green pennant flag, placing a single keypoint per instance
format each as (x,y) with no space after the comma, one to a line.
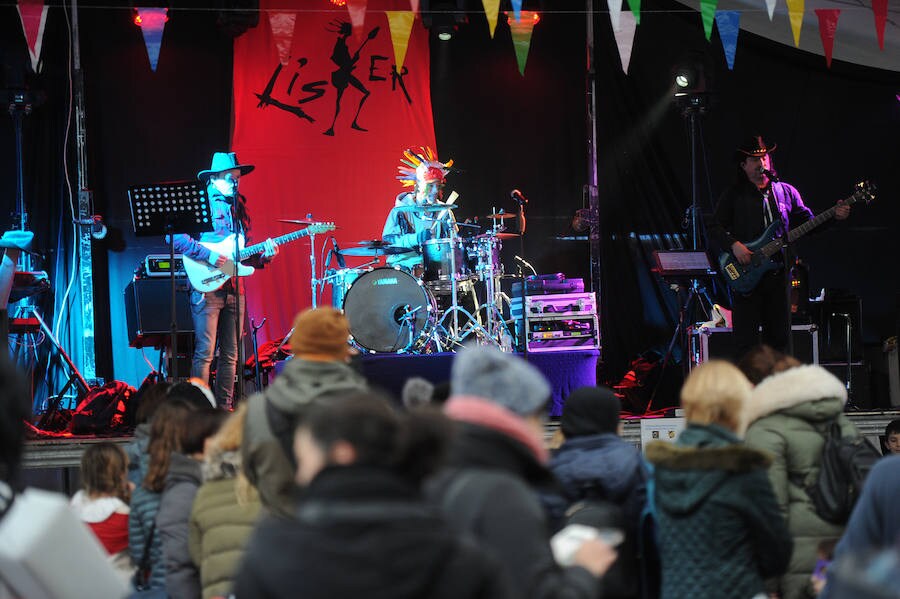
(635,6)
(521,35)
(708,12)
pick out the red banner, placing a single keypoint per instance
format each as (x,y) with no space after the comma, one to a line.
(326,131)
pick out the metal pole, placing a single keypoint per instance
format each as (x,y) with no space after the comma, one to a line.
(592,185)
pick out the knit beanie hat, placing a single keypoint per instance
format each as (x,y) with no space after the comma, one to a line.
(590,411)
(321,332)
(504,379)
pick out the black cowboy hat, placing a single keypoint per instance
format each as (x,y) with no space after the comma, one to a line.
(754,146)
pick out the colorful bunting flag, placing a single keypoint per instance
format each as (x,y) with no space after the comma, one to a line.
(625,39)
(635,10)
(879,8)
(400,23)
(414,6)
(728,23)
(615,10)
(152,22)
(491,10)
(521,35)
(517,9)
(828,20)
(795,11)
(33,15)
(357,10)
(770,8)
(282,24)
(708,13)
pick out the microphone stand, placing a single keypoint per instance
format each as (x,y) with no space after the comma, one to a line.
(238,229)
(521,221)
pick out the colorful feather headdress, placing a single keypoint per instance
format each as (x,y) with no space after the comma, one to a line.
(421,166)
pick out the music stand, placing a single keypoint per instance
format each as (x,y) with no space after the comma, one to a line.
(161,209)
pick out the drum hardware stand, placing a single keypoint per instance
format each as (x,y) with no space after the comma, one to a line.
(257,374)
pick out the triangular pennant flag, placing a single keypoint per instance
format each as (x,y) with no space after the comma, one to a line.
(625,39)
(828,20)
(33,15)
(400,23)
(770,7)
(521,36)
(517,9)
(728,22)
(153,22)
(635,6)
(795,10)
(491,10)
(879,7)
(615,9)
(708,13)
(414,6)
(357,10)
(282,24)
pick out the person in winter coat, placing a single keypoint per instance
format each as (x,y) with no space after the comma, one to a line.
(225,510)
(182,481)
(361,528)
(599,471)
(496,469)
(720,532)
(319,369)
(148,398)
(788,414)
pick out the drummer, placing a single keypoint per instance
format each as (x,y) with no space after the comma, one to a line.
(410,228)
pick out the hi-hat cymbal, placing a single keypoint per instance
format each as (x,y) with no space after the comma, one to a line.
(501,216)
(426,208)
(297,221)
(381,250)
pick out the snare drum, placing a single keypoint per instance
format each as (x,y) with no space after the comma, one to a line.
(341,283)
(436,257)
(484,256)
(389,311)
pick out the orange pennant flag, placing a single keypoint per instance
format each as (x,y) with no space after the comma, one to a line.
(282,24)
(491,10)
(400,23)
(828,20)
(33,15)
(795,11)
(521,31)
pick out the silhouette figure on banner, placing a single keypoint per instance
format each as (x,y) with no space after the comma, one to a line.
(343,76)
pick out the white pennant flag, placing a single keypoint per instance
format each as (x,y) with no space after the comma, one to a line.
(615,9)
(770,6)
(625,38)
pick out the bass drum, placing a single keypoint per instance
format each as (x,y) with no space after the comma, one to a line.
(390,311)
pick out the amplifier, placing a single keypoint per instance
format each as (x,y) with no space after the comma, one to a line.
(563,333)
(160,265)
(148,312)
(561,304)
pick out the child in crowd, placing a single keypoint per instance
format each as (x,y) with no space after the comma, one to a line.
(149,397)
(102,503)
(824,556)
(892,437)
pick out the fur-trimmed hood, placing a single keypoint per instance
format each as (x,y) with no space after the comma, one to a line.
(222,464)
(794,387)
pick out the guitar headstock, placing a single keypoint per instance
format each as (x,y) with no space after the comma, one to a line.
(863,191)
(316,228)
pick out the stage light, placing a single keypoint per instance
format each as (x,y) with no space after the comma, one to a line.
(443,17)
(153,17)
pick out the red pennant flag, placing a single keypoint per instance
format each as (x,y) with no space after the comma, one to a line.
(33,15)
(879,7)
(828,19)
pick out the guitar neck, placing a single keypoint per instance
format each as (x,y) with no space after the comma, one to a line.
(797,232)
(259,248)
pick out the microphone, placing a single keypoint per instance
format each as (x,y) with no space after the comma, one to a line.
(772,175)
(337,253)
(518,196)
(526,263)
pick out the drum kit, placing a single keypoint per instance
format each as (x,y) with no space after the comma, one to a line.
(429,308)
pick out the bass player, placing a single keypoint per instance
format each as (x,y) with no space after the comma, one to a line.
(755,200)
(214,311)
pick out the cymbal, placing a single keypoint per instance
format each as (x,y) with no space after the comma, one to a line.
(501,216)
(297,221)
(427,208)
(383,250)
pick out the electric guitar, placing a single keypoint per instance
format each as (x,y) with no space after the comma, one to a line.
(205,277)
(743,278)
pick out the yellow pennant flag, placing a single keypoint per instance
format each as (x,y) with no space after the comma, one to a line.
(400,23)
(795,10)
(491,10)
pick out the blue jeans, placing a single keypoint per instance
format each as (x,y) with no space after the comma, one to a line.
(213,315)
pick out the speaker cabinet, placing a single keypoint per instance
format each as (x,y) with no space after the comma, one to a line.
(148,312)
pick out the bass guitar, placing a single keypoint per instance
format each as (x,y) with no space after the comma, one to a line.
(205,277)
(744,278)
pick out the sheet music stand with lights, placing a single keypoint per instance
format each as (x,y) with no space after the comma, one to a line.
(161,209)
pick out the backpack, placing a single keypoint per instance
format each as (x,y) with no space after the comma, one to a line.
(104,410)
(845,463)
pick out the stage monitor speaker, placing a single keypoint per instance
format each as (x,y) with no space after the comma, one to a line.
(148,311)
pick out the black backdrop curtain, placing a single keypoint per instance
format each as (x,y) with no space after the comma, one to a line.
(506,131)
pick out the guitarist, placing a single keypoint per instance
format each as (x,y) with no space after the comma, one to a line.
(755,200)
(214,312)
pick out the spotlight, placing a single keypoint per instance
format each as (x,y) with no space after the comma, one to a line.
(691,83)
(445,35)
(683,79)
(443,16)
